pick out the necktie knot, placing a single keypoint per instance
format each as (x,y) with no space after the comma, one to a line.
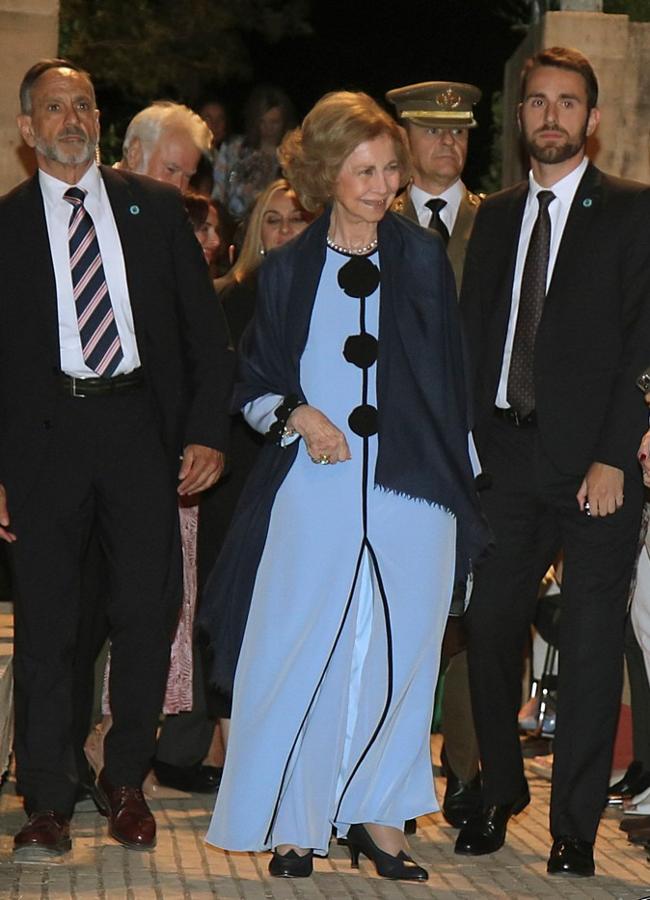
(436,205)
(75,196)
(544,199)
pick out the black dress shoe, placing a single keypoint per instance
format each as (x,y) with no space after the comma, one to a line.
(633,823)
(291,865)
(463,799)
(486,832)
(196,779)
(571,856)
(635,781)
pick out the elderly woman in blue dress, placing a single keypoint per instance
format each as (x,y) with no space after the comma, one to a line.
(358,519)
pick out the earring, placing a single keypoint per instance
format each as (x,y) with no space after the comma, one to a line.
(262,251)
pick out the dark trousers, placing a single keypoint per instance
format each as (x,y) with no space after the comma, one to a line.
(104,470)
(533,512)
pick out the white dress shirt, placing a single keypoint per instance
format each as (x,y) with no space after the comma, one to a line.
(57,217)
(452,197)
(558,210)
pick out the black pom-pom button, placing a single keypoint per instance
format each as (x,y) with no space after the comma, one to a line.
(363,420)
(361,350)
(358,277)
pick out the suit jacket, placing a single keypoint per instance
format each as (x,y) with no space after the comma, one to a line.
(594,336)
(180,330)
(460,234)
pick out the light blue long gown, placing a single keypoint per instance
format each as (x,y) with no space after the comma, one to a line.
(334,689)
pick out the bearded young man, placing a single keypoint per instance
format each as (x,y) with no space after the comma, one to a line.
(555,300)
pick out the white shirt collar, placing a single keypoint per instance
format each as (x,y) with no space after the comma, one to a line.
(53,188)
(565,188)
(452,196)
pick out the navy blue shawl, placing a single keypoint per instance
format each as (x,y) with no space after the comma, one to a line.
(422,405)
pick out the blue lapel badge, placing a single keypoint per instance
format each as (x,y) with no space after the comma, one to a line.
(586,202)
(134,210)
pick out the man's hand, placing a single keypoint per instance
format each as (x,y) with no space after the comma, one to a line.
(200,468)
(5,534)
(602,489)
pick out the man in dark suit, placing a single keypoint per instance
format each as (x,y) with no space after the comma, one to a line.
(556,302)
(114,362)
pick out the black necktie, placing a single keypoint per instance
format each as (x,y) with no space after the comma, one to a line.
(435,222)
(521,386)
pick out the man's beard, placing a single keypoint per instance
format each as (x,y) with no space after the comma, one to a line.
(77,157)
(555,153)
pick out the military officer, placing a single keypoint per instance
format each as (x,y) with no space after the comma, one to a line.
(437,116)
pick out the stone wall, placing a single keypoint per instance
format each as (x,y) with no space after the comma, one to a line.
(29,30)
(620,53)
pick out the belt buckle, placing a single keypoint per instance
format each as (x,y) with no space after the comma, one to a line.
(74,387)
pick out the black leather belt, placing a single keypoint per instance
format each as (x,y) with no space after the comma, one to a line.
(101,387)
(515,418)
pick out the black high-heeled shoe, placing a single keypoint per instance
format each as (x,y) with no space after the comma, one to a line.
(400,867)
(291,865)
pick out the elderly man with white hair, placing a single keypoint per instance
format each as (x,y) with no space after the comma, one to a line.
(165,141)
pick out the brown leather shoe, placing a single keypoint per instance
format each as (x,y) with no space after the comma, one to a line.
(46,834)
(129,818)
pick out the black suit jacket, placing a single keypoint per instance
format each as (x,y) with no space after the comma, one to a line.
(180,330)
(594,336)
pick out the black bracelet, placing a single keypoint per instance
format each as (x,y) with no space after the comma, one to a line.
(278,429)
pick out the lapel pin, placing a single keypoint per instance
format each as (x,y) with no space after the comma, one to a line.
(134,210)
(587,202)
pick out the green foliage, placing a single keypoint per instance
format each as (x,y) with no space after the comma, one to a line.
(143,50)
(637,10)
(491,180)
(147,49)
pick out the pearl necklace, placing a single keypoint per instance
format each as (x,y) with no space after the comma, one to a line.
(352,251)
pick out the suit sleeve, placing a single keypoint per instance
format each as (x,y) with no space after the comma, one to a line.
(210,358)
(627,416)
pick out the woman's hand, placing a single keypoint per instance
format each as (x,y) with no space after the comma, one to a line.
(324,441)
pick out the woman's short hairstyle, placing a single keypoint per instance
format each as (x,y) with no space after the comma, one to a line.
(563,58)
(311,156)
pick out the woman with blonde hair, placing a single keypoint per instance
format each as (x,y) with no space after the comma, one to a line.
(276,218)
(359,516)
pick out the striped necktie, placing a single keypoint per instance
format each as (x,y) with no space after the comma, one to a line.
(100,341)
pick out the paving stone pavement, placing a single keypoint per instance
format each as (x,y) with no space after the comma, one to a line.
(182,866)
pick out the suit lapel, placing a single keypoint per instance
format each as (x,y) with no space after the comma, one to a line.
(40,278)
(586,205)
(130,220)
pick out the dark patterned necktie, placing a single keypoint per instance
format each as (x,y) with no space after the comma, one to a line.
(521,385)
(435,222)
(100,341)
